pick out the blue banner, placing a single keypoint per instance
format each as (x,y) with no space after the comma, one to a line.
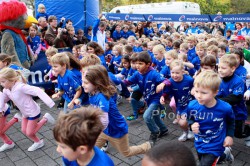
(127,17)
(177,17)
(231,18)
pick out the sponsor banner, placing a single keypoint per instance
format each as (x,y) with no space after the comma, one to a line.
(126,17)
(231,18)
(177,17)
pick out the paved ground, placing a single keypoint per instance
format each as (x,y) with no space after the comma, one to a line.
(138,133)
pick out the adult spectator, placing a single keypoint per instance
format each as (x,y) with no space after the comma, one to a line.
(42,25)
(181,27)
(238,27)
(214,28)
(98,32)
(139,29)
(203,28)
(52,35)
(193,29)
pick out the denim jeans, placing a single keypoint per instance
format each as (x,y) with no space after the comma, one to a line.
(152,118)
(136,105)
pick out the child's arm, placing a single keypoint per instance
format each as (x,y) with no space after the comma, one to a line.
(58,94)
(188,64)
(247,94)
(36,91)
(75,100)
(230,122)
(161,86)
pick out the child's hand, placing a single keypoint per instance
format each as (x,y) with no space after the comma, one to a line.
(46,78)
(1,114)
(77,101)
(160,87)
(228,141)
(130,89)
(55,81)
(71,105)
(247,95)
(162,100)
(55,96)
(195,128)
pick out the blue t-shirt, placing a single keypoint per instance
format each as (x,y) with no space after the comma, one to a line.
(100,159)
(125,72)
(151,55)
(117,126)
(38,15)
(159,64)
(241,72)
(196,62)
(137,49)
(103,61)
(191,54)
(213,125)
(237,87)
(78,74)
(147,83)
(34,43)
(192,30)
(69,83)
(118,60)
(117,35)
(165,72)
(181,91)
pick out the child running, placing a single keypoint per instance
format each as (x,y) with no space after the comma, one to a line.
(76,134)
(21,94)
(101,94)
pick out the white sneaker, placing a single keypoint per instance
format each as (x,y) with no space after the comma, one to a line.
(183,137)
(49,118)
(247,141)
(229,155)
(18,117)
(119,99)
(36,146)
(7,146)
(105,147)
(190,135)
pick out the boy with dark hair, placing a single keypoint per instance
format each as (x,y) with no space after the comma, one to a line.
(150,83)
(211,120)
(171,153)
(76,134)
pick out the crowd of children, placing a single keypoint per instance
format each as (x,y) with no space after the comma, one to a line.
(202,77)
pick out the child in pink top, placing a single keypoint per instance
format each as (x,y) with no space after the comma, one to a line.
(21,95)
(4,126)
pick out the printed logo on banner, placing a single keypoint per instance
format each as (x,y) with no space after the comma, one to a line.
(127,17)
(217,18)
(150,17)
(182,18)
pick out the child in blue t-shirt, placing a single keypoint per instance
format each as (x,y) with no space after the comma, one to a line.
(231,90)
(191,45)
(159,61)
(180,89)
(126,67)
(101,94)
(116,60)
(211,120)
(76,134)
(41,12)
(34,42)
(69,85)
(151,83)
(240,69)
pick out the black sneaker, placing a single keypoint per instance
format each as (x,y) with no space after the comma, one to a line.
(61,103)
(163,133)
(153,137)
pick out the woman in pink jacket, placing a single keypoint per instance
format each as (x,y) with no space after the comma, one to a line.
(21,94)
